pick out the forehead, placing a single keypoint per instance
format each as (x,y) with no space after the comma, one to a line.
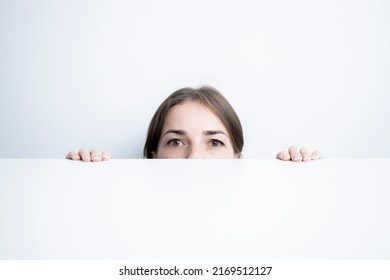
(192,115)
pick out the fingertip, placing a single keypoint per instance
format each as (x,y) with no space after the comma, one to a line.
(106,155)
(297,159)
(283,155)
(96,158)
(68,155)
(316,155)
(86,157)
(96,155)
(73,155)
(306,158)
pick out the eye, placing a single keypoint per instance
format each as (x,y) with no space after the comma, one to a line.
(175,142)
(216,143)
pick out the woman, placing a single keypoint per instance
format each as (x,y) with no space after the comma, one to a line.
(195,123)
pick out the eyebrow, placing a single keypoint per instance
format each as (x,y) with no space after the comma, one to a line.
(183,132)
(213,132)
(175,131)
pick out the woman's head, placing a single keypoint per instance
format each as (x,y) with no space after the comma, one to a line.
(194,123)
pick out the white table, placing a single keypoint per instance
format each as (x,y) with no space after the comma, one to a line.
(195,209)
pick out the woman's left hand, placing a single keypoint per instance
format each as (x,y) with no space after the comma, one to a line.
(297,154)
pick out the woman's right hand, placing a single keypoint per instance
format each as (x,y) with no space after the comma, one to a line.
(89,155)
(297,154)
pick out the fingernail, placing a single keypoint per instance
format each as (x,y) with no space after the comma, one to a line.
(96,159)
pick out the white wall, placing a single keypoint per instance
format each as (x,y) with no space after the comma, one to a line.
(91,73)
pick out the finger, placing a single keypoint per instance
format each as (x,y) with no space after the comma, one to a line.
(106,155)
(73,155)
(283,155)
(316,155)
(85,155)
(96,155)
(306,155)
(294,153)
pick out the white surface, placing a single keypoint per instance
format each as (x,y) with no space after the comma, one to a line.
(90,74)
(194,209)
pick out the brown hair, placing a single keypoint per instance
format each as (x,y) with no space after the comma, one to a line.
(207,96)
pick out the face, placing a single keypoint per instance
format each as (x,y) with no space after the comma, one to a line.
(191,130)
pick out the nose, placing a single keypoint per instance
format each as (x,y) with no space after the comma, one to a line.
(195,152)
